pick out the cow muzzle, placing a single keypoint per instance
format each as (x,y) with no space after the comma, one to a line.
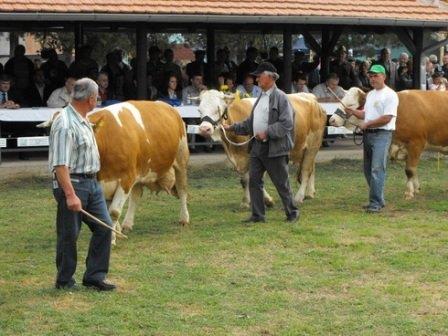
(206,129)
(336,121)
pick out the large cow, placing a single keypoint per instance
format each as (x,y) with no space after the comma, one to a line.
(141,143)
(422,121)
(309,123)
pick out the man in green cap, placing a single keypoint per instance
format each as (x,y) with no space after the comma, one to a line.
(379,116)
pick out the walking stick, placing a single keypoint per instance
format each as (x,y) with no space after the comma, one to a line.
(103,224)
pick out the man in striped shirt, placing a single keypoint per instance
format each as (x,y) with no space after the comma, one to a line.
(74,161)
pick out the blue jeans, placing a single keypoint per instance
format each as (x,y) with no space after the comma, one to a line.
(68,226)
(376,151)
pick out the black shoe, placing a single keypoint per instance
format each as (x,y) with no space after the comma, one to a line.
(294,218)
(372,209)
(100,285)
(367,206)
(66,286)
(253,220)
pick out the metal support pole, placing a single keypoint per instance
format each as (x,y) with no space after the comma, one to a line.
(417,57)
(287,60)
(325,57)
(211,57)
(79,37)
(142,49)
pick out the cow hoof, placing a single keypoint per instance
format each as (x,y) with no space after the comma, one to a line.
(269,202)
(408,196)
(184,222)
(309,197)
(244,205)
(126,229)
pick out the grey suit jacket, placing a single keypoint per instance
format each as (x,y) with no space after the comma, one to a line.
(280,124)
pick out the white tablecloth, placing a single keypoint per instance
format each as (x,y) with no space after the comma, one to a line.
(44,113)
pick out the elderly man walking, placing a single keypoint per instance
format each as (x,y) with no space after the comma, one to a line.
(272,123)
(379,114)
(74,161)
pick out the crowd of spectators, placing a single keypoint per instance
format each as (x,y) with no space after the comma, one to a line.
(49,82)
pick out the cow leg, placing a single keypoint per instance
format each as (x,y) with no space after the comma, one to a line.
(244,180)
(412,184)
(304,174)
(134,198)
(116,207)
(268,200)
(180,170)
(310,190)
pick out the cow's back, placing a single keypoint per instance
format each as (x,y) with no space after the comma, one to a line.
(422,116)
(135,138)
(309,123)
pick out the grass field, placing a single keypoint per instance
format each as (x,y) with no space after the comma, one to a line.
(338,272)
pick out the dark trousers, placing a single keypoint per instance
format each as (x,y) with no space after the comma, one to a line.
(68,226)
(277,168)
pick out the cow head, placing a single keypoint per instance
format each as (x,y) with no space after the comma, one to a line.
(354,98)
(212,109)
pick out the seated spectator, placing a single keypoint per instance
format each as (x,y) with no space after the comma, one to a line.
(9,97)
(445,65)
(363,76)
(248,88)
(38,93)
(55,70)
(104,92)
(226,83)
(299,83)
(323,93)
(193,90)
(229,82)
(171,93)
(439,83)
(404,78)
(21,69)
(61,96)
(84,65)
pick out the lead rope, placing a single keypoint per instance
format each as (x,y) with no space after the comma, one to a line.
(238,144)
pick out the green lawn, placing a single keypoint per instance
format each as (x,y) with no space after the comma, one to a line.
(338,272)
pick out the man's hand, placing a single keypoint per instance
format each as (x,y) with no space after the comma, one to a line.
(349,111)
(74,203)
(261,136)
(11,105)
(226,127)
(363,125)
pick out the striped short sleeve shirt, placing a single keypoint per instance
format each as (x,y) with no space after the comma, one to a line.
(73,144)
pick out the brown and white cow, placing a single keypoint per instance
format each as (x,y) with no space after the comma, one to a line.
(309,124)
(422,122)
(141,143)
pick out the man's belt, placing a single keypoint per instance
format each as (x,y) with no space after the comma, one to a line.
(375,130)
(84,175)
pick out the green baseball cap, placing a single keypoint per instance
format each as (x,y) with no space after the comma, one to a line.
(377,68)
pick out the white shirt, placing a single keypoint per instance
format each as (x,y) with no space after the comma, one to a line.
(59,98)
(261,112)
(321,91)
(379,103)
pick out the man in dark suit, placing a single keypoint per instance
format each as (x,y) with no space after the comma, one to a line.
(272,123)
(38,92)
